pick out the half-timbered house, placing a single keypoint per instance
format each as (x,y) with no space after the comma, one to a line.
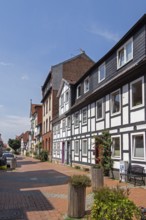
(111,96)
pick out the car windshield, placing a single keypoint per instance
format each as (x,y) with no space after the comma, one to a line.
(8,155)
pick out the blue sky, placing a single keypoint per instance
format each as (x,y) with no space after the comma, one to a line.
(36,34)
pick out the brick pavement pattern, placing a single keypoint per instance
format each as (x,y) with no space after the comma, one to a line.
(38,191)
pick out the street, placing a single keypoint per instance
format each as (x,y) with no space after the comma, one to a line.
(39,191)
(34,191)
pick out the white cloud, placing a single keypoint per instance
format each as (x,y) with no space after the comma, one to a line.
(12,125)
(5,63)
(103,33)
(25,77)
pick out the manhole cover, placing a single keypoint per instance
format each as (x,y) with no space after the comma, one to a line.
(11,214)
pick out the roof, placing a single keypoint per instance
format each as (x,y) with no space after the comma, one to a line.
(129,34)
(69,82)
(34,107)
(61,63)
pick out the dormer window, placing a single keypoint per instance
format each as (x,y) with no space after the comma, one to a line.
(86,85)
(101,73)
(125,53)
(78,91)
(62,99)
(67,96)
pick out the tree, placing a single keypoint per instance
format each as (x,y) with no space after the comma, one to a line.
(14,144)
(103,144)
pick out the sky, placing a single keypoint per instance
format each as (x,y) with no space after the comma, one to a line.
(37,34)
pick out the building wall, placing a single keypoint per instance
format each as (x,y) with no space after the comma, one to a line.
(124,125)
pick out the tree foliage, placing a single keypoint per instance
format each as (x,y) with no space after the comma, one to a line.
(14,144)
(103,144)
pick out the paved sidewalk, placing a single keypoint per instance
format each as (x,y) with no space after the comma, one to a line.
(38,191)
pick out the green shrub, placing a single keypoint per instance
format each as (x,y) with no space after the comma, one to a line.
(77,167)
(80,180)
(44,155)
(3,167)
(27,154)
(114,204)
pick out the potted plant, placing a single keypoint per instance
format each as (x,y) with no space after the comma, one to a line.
(77,195)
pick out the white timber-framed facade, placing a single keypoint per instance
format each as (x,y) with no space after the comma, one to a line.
(110,96)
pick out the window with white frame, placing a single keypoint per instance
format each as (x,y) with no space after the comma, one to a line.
(76,147)
(84,116)
(116,146)
(76,119)
(63,125)
(49,103)
(84,147)
(137,93)
(54,149)
(115,102)
(46,125)
(58,128)
(125,53)
(138,146)
(58,148)
(67,96)
(62,99)
(78,91)
(54,129)
(69,122)
(101,73)
(46,106)
(99,109)
(86,85)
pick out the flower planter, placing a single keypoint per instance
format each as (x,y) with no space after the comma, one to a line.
(76,201)
(97,178)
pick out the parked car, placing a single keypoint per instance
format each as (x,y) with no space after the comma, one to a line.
(10,159)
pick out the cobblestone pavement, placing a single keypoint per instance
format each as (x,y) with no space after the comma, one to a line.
(38,191)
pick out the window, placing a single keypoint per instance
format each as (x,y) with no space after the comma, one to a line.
(49,123)
(58,128)
(86,85)
(62,99)
(101,73)
(69,122)
(67,96)
(76,147)
(76,119)
(116,146)
(54,130)
(49,103)
(138,144)
(137,93)
(46,106)
(84,147)
(78,91)
(125,54)
(46,125)
(63,125)
(84,116)
(54,149)
(99,109)
(115,102)
(58,148)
